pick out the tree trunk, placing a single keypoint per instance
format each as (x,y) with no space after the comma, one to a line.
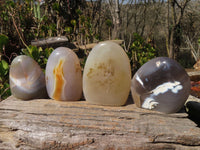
(174,33)
(171,45)
(115,12)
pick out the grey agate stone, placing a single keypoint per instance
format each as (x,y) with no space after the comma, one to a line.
(161,85)
(27,81)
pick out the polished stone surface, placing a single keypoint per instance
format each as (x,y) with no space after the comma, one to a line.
(27,81)
(107,75)
(64,75)
(161,85)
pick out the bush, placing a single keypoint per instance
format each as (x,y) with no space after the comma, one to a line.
(4,69)
(38,54)
(140,52)
(4,82)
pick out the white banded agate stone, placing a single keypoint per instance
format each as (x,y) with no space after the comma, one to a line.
(27,81)
(107,75)
(63,75)
(162,85)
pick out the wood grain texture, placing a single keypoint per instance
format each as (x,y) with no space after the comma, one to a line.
(50,124)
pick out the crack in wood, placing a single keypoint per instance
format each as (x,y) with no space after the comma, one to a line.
(57,145)
(180,140)
(173,142)
(165,115)
(7,109)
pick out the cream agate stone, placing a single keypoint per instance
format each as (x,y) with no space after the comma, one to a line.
(107,75)
(64,75)
(161,85)
(27,81)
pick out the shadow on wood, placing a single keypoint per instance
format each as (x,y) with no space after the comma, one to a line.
(193,110)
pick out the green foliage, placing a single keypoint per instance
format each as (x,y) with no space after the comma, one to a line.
(68,30)
(4,85)
(3,41)
(81,29)
(56,6)
(82,19)
(38,54)
(4,67)
(140,52)
(34,21)
(73,22)
(17,15)
(78,11)
(108,22)
(36,9)
(185,59)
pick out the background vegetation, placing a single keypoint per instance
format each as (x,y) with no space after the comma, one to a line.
(149,28)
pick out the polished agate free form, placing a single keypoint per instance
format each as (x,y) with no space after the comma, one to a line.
(27,81)
(107,75)
(64,75)
(161,84)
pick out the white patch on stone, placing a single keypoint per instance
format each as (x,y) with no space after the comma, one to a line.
(139,80)
(177,88)
(173,86)
(149,103)
(158,63)
(17,82)
(22,84)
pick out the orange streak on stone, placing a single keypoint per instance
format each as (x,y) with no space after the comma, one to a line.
(59,80)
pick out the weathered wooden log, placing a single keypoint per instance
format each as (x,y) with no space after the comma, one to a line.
(54,42)
(64,42)
(50,124)
(91,45)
